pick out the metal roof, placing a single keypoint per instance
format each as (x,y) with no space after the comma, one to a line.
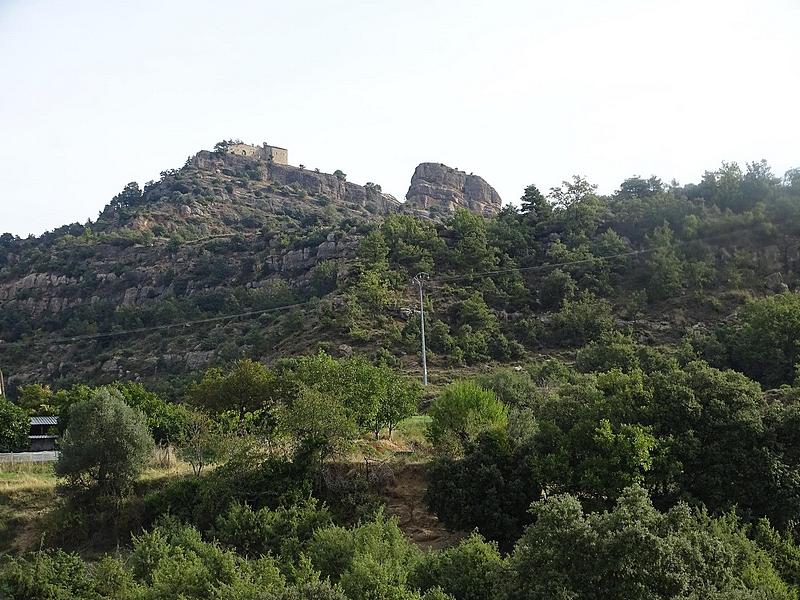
(44,420)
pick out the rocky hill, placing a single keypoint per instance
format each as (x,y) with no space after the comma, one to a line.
(240,255)
(231,231)
(441,190)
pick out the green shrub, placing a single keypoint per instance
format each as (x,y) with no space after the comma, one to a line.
(461,412)
(105,447)
(14,426)
(282,532)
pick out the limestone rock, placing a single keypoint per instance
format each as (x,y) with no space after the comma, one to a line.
(198,359)
(437,188)
(774,283)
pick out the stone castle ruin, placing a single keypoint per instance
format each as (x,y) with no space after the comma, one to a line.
(274,154)
(436,190)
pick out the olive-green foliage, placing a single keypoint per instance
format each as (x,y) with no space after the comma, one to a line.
(283,532)
(613,350)
(461,412)
(690,432)
(37,399)
(624,554)
(666,268)
(14,426)
(319,423)
(105,446)
(556,287)
(167,422)
(370,561)
(472,570)
(514,388)
(249,387)
(581,320)
(633,551)
(324,277)
(249,477)
(764,340)
(361,396)
(54,575)
(489,489)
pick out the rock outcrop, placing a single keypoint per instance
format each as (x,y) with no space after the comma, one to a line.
(312,182)
(437,188)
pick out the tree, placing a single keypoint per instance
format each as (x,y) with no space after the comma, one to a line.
(637,188)
(556,287)
(201,442)
(131,195)
(463,411)
(472,570)
(666,268)
(167,422)
(581,320)
(620,555)
(318,423)
(471,249)
(534,205)
(373,251)
(14,426)
(37,399)
(764,339)
(249,387)
(399,401)
(490,489)
(572,192)
(105,447)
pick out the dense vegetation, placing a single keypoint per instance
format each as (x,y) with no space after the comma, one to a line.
(643,445)
(562,270)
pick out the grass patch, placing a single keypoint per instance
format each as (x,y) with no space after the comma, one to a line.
(27,493)
(413,429)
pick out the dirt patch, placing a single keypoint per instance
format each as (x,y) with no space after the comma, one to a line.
(405,499)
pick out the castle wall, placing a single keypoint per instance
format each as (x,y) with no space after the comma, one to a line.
(246,150)
(278,155)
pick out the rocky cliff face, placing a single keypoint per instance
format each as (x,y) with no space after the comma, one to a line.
(225,233)
(437,188)
(312,182)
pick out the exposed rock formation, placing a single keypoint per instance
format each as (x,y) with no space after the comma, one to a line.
(438,188)
(313,183)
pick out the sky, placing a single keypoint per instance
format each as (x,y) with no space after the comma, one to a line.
(97,93)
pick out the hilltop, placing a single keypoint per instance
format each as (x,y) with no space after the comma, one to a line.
(185,273)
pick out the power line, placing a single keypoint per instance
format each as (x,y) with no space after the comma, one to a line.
(580,261)
(109,334)
(443,278)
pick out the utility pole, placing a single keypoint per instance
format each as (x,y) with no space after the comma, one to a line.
(419,280)
(2,384)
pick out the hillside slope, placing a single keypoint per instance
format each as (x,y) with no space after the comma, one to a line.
(200,267)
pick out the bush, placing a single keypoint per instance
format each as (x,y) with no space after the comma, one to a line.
(472,570)
(581,320)
(620,555)
(764,340)
(283,532)
(247,478)
(489,489)
(461,413)
(614,350)
(105,446)
(14,426)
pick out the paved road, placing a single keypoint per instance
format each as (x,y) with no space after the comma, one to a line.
(28,456)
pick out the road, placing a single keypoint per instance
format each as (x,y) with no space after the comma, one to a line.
(27,457)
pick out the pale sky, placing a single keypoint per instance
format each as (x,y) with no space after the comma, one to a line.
(97,93)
